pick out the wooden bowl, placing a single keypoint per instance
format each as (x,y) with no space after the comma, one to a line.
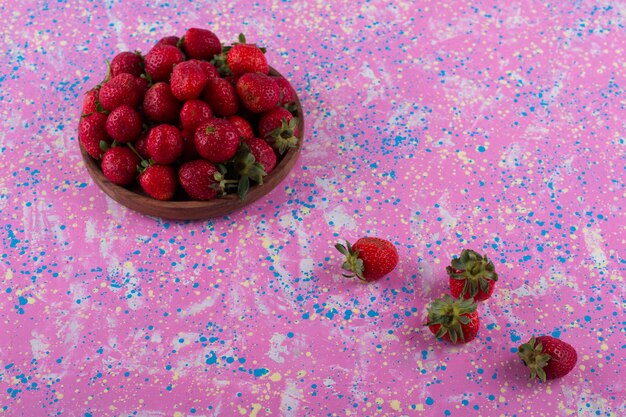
(187,209)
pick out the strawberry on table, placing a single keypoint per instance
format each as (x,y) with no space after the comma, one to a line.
(472,276)
(258,92)
(159,181)
(453,320)
(160,61)
(165,144)
(127,62)
(369,258)
(119,165)
(548,357)
(216,140)
(119,90)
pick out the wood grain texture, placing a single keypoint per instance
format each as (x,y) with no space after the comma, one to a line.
(187,209)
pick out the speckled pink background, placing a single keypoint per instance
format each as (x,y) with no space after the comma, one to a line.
(497,126)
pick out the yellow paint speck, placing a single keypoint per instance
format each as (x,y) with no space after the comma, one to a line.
(178,414)
(395,405)
(275,377)
(604,346)
(255,409)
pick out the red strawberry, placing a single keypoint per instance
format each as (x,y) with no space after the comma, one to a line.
(119,165)
(453,320)
(472,276)
(92,130)
(208,68)
(194,113)
(370,258)
(263,153)
(242,125)
(258,92)
(548,357)
(169,40)
(165,144)
(243,57)
(221,96)
(287,93)
(143,85)
(159,181)
(280,128)
(128,63)
(190,153)
(124,124)
(160,61)
(90,104)
(201,44)
(200,179)
(216,140)
(141,145)
(188,80)
(160,105)
(119,90)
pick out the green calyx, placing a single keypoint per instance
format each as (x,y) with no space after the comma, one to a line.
(533,356)
(248,169)
(283,137)
(450,315)
(475,270)
(352,262)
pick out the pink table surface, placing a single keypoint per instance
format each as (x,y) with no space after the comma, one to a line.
(497,126)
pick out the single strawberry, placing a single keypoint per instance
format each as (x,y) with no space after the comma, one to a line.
(280,128)
(90,103)
(200,179)
(221,96)
(208,68)
(287,93)
(258,92)
(141,145)
(124,124)
(188,81)
(160,105)
(169,40)
(159,181)
(92,130)
(369,259)
(244,57)
(143,85)
(201,44)
(194,113)
(127,63)
(119,165)
(472,276)
(548,357)
(263,153)
(453,320)
(161,60)
(119,90)
(216,140)
(165,144)
(243,126)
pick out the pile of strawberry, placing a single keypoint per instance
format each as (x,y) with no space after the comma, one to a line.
(454,318)
(191,115)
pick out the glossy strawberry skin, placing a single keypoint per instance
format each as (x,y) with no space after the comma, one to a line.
(188,81)
(119,165)
(90,102)
(201,44)
(287,93)
(379,256)
(208,68)
(168,40)
(198,179)
(91,131)
(456,288)
(216,140)
(127,63)
(194,113)
(563,356)
(160,61)
(221,96)
(258,92)
(263,153)
(124,124)
(243,126)
(119,90)
(165,144)
(159,182)
(470,330)
(272,120)
(243,58)
(160,105)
